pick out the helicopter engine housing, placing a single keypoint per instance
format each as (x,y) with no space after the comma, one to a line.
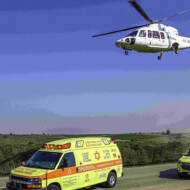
(171,31)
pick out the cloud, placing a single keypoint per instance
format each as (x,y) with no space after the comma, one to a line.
(158,86)
(89,104)
(153,119)
(13,111)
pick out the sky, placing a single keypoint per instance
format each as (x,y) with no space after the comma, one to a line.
(56,78)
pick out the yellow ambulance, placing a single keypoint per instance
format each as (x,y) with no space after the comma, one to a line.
(70,164)
(183,164)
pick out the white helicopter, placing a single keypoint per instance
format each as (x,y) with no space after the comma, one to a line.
(152,37)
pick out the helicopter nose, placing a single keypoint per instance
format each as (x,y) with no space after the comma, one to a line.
(118,43)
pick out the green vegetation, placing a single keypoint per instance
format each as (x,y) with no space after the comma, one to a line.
(136,149)
(140,153)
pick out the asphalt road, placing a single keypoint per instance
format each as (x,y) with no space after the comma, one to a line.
(155,177)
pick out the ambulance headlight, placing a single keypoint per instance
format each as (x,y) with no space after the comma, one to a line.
(34,180)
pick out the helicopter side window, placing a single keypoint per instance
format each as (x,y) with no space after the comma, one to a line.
(142,33)
(162,35)
(149,33)
(156,34)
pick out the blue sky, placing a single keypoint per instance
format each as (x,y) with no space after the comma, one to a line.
(50,67)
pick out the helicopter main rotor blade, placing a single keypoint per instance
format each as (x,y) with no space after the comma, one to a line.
(116,31)
(172,16)
(140,10)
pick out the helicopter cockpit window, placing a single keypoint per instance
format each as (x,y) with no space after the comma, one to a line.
(156,34)
(134,34)
(142,33)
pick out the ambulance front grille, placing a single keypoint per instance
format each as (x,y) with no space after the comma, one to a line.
(185,166)
(17,178)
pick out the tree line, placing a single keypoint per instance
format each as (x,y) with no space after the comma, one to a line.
(133,153)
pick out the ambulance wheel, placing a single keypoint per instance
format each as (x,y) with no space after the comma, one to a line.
(181,175)
(53,187)
(112,179)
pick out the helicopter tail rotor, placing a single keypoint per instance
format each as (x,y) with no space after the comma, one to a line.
(174,15)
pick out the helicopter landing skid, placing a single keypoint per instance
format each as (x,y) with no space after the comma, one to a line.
(126,52)
(160,56)
(175,50)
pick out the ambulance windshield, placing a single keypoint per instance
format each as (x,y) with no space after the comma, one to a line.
(44,160)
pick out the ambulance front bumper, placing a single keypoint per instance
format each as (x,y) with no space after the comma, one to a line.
(10,186)
(183,167)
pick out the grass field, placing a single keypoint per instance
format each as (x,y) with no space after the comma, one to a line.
(25,139)
(2,182)
(20,139)
(156,177)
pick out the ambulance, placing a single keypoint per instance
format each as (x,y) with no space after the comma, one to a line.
(68,164)
(183,164)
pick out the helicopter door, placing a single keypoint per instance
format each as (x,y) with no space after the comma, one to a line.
(142,37)
(149,38)
(164,41)
(155,41)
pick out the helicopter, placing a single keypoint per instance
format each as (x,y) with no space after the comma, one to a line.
(152,37)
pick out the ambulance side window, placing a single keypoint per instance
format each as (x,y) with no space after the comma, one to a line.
(68,160)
